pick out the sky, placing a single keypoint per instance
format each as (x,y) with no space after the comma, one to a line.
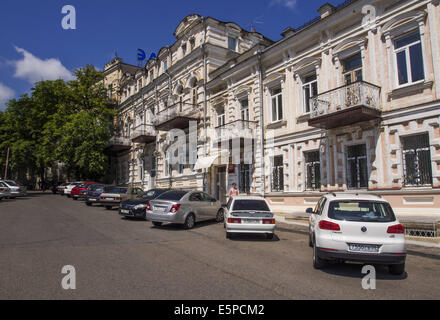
(34,46)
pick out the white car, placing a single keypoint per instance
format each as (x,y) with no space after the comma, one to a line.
(5,192)
(15,189)
(356,227)
(69,187)
(248,214)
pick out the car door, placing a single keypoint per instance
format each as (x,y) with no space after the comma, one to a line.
(196,205)
(315,216)
(209,206)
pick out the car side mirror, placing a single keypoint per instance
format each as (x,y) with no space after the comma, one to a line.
(309,210)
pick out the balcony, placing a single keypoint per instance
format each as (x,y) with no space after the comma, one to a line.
(346,105)
(177,116)
(235,129)
(145,133)
(118,144)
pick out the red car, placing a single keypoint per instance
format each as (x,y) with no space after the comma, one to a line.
(80,190)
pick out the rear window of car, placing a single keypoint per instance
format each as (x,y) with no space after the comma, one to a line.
(250,205)
(12,183)
(172,195)
(116,190)
(96,187)
(361,211)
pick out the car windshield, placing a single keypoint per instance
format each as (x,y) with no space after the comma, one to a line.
(250,205)
(361,211)
(119,190)
(12,183)
(148,194)
(172,195)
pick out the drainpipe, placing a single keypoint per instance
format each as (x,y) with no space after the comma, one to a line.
(260,80)
(205,74)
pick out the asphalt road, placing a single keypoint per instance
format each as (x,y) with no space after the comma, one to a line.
(115,258)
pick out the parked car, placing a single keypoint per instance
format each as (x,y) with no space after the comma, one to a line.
(248,214)
(69,187)
(5,192)
(113,196)
(15,188)
(94,192)
(184,207)
(136,207)
(359,228)
(61,187)
(80,190)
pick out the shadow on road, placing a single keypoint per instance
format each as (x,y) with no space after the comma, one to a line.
(179,227)
(253,238)
(354,270)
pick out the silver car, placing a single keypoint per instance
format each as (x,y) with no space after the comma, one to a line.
(184,207)
(15,188)
(5,192)
(112,196)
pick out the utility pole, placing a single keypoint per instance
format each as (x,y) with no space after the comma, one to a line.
(7,162)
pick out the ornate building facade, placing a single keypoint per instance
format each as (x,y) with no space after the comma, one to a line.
(350,101)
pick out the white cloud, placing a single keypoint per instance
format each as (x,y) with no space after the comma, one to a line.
(291,4)
(6,94)
(33,69)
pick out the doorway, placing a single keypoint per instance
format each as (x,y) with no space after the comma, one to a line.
(221,187)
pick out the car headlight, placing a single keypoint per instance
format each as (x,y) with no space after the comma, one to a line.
(140,206)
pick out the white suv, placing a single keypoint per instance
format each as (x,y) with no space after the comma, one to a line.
(356,227)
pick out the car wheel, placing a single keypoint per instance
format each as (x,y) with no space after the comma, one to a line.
(108,207)
(397,269)
(269,236)
(220,216)
(228,235)
(318,263)
(75,198)
(189,222)
(157,224)
(88,204)
(310,240)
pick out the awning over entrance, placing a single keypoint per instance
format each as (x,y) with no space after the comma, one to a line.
(207,162)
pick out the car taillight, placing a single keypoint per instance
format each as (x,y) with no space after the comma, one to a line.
(174,208)
(398,228)
(101,198)
(268,221)
(118,199)
(148,206)
(2,189)
(327,225)
(234,220)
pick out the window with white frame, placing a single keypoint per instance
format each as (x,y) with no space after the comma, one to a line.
(221,116)
(417,160)
(244,109)
(141,169)
(409,59)
(277,104)
(310,89)
(232,43)
(277,174)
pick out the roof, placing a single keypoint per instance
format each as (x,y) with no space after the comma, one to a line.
(354,196)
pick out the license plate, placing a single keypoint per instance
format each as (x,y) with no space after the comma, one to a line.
(372,248)
(252,221)
(159,209)
(92,200)
(125,211)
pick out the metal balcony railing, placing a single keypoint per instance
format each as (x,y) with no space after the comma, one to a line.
(185,110)
(119,141)
(236,129)
(356,94)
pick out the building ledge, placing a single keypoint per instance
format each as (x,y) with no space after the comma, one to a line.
(410,89)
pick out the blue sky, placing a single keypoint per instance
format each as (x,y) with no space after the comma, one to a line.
(34,46)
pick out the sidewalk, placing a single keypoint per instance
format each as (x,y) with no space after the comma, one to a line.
(430,248)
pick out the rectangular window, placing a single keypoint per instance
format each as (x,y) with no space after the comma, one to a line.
(165,65)
(409,59)
(313,170)
(221,117)
(352,69)
(244,109)
(417,160)
(357,170)
(245,178)
(277,105)
(278,174)
(310,89)
(232,43)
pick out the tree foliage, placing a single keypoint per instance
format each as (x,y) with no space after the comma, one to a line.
(67,122)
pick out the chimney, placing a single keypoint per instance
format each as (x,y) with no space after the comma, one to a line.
(326,10)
